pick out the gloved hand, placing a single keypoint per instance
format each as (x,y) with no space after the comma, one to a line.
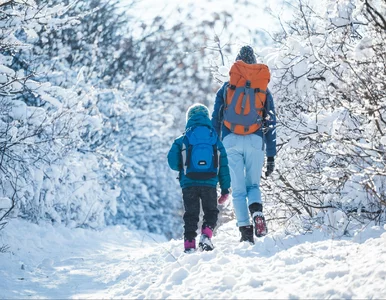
(270,166)
(224,196)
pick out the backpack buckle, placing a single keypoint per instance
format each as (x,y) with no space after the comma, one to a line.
(248,84)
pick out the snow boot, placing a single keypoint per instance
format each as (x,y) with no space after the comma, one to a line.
(205,239)
(259,224)
(247,234)
(190,245)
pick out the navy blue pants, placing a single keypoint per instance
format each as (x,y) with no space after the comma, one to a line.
(192,196)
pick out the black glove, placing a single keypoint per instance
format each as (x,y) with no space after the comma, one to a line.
(270,166)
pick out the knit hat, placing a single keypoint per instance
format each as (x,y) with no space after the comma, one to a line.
(247,55)
(197,109)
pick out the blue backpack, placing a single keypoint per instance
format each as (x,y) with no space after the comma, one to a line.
(199,153)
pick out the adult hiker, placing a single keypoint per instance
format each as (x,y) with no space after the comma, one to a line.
(244,115)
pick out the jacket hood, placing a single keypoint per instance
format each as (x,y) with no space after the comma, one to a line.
(243,69)
(197,120)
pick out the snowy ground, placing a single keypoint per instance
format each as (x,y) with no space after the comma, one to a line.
(57,262)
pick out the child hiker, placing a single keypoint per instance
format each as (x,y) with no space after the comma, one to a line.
(201,160)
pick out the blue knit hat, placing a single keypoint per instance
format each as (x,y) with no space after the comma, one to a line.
(247,55)
(197,109)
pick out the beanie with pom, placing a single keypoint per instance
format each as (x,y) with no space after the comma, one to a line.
(197,109)
(247,55)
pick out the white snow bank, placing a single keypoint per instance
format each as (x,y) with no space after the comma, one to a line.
(57,262)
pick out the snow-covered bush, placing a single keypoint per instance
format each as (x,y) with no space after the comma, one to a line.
(42,170)
(329,85)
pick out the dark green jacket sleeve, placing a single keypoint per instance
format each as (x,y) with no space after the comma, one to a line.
(223,174)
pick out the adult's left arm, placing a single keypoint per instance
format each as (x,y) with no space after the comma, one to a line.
(270,124)
(218,107)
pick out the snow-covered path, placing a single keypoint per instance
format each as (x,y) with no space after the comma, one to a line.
(48,262)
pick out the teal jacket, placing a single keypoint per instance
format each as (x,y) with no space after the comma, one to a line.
(175,163)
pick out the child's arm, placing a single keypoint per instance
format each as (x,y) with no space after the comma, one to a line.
(223,174)
(174,156)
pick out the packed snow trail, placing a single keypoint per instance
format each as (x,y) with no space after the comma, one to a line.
(57,262)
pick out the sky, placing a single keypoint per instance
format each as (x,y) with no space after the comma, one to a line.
(260,10)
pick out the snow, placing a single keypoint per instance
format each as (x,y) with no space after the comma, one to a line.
(55,102)
(224,71)
(300,68)
(6,70)
(19,110)
(35,115)
(5,203)
(223,74)
(44,261)
(32,35)
(363,49)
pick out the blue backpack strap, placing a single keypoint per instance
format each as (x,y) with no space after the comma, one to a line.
(184,150)
(215,155)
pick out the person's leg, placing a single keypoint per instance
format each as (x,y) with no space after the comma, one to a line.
(208,197)
(254,161)
(254,165)
(234,146)
(192,212)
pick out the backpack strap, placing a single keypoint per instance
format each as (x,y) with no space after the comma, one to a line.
(215,156)
(244,102)
(246,93)
(185,150)
(183,155)
(257,90)
(188,156)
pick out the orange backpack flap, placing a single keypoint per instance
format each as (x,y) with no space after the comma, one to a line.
(245,97)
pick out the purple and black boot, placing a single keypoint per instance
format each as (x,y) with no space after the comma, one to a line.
(190,245)
(205,239)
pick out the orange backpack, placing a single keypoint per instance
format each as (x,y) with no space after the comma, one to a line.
(245,97)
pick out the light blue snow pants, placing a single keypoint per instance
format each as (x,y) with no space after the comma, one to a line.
(246,160)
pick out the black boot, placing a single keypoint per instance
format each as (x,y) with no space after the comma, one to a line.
(254,207)
(247,234)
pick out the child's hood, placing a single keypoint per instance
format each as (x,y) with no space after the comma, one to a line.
(197,120)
